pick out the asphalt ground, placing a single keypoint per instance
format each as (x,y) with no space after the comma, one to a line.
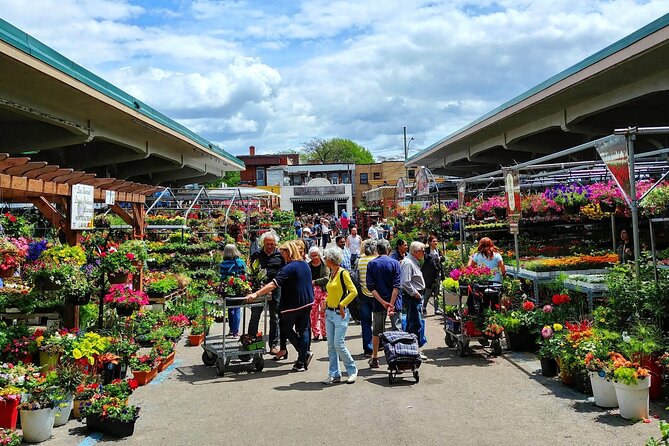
(476,400)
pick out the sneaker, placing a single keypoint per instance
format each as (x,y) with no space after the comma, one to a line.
(424,312)
(325,338)
(373,363)
(298,367)
(316,339)
(310,356)
(367,354)
(351,378)
(332,380)
(422,356)
(438,312)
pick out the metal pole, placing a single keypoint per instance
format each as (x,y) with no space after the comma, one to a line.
(613,230)
(634,203)
(652,249)
(517,249)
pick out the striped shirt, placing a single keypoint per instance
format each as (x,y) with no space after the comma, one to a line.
(362,273)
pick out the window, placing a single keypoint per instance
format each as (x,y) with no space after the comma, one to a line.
(260,176)
(363,178)
(377,175)
(412,174)
(334,178)
(345,179)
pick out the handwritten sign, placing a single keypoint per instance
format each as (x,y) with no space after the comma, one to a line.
(81,208)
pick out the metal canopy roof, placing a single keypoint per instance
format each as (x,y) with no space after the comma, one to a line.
(58,112)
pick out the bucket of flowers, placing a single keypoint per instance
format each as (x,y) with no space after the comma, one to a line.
(10,397)
(125,300)
(38,409)
(53,344)
(111,415)
(234,287)
(163,351)
(9,437)
(83,394)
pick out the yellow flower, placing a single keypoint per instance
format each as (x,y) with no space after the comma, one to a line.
(77,353)
(557,327)
(39,340)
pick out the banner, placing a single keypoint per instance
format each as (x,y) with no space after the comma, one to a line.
(615,155)
(81,215)
(462,188)
(512,189)
(401,190)
(423,182)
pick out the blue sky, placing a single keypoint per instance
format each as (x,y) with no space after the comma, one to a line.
(275,74)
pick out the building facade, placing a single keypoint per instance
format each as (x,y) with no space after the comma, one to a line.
(370,176)
(257,166)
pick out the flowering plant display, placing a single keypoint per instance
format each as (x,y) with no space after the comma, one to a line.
(493,330)
(111,408)
(115,261)
(627,372)
(15,225)
(157,282)
(569,263)
(142,363)
(20,347)
(35,249)
(48,275)
(90,346)
(135,247)
(162,349)
(86,390)
(471,274)
(9,437)
(539,204)
(200,325)
(571,195)
(41,393)
(64,254)
(120,389)
(9,261)
(552,339)
(59,341)
(123,296)
(234,286)
(179,320)
(124,347)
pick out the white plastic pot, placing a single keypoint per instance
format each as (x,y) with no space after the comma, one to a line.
(63,410)
(603,391)
(633,400)
(37,425)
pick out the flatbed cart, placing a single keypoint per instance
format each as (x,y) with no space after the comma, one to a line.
(461,328)
(220,351)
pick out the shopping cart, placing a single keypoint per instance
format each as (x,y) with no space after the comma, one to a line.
(220,351)
(465,324)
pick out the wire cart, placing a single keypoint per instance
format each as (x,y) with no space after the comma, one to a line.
(220,351)
(461,328)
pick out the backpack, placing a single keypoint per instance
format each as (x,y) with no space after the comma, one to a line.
(353,306)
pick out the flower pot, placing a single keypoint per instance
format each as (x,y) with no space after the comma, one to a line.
(81,300)
(63,410)
(110,372)
(166,362)
(118,278)
(26,359)
(605,207)
(115,428)
(124,311)
(655,391)
(156,295)
(195,340)
(549,367)
(633,400)
(521,341)
(572,209)
(77,407)
(8,412)
(500,213)
(7,273)
(48,359)
(49,285)
(37,425)
(144,378)
(603,391)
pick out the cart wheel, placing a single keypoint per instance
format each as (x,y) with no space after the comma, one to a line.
(416,376)
(245,358)
(208,358)
(391,377)
(220,368)
(461,349)
(450,340)
(259,363)
(496,347)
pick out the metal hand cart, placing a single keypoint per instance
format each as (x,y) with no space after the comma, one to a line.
(220,351)
(461,328)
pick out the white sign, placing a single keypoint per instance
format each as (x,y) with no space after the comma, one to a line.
(81,208)
(110,196)
(422,181)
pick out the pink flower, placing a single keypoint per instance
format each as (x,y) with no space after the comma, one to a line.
(130,256)
(548,309)
(546,332)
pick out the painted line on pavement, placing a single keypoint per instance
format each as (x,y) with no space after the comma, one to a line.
(165,373)
(91,439)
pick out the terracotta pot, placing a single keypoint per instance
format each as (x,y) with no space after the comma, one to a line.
(166,362)
(195,340)
(144,378)
(77,406)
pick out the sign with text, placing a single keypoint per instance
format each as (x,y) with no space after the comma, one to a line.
(462,188)
(401,189)
(423,181)
(110,196)
(319,190)
(512,189)
(613,151)
(81,207)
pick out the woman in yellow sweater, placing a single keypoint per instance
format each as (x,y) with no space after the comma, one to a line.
(341,292)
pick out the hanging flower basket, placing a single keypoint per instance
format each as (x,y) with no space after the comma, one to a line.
(7,273)
(118,278)
(125,311)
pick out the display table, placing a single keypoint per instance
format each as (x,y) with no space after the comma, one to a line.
(592,290)
(538,278)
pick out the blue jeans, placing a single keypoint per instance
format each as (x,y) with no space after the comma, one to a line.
(414,315)
(296,327)
(234,319)
(365,308)
(335,327)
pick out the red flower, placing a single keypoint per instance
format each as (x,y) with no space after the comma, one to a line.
(243,277)
(231,280)
(560,299)
(133,384)
(12,219)
(130,256)
(104,254)
(528,306)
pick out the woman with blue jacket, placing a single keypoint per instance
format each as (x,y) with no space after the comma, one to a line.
(232,266)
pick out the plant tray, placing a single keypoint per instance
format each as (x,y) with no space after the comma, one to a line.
(118,429)
(255,346)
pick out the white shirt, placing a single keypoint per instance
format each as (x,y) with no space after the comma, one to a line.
(373,233)
(354,244)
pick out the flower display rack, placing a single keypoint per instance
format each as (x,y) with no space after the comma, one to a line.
(538,278)
(592,290)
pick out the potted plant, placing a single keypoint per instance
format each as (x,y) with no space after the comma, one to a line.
(124,347)
(570,197)
(64,254)
(125,300)
(631,383)
(119,388)
(15,225)
(158,285)
(600,370)
(38,411)
(10,397)
(21,349)
(68,376)
(117,264)
(199,326)
(83,394)
(143,368)
(111,416)
(110,367)
(9,437)
(88,348)
(164,351)
(550,348)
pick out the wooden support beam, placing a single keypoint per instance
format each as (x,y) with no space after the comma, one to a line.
(35,173)
(48,211)
(11,162)
(138,214)
(56,173)
(23,168)
(118,210)
(81,179)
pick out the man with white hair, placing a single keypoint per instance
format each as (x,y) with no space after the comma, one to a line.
(270,259)
(413,285)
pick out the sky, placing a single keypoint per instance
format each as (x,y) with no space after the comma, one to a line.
(275,74)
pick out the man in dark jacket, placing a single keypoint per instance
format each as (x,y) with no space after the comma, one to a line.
(270,259)
(432,273)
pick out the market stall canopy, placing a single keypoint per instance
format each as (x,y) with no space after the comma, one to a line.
(226,193)
(625,84)
(56,111)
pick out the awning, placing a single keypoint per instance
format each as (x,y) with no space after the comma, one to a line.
(338,198)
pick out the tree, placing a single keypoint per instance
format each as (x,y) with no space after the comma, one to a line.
(232,178)
(336,150)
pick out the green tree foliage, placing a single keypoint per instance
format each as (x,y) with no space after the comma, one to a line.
(337,150)
(232,178)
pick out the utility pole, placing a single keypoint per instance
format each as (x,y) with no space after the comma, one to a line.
(406,157)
